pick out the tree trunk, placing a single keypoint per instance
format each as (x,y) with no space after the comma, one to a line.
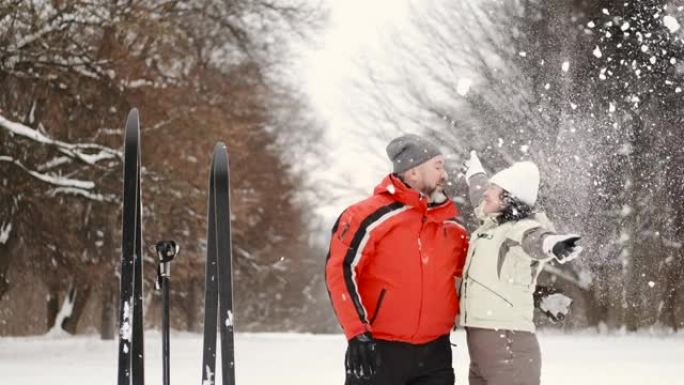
(52,304)
(6,251)
(596,299)
(4,267)
(108,313)
(673,277)
(635,247)
(82,294)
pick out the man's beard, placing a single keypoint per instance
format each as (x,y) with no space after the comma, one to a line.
(436,194)
(429,190)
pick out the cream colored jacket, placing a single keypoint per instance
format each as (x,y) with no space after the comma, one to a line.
(501,268)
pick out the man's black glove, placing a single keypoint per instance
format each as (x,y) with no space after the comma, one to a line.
(363,358)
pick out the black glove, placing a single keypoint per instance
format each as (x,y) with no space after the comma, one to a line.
(363,358)
(566,248)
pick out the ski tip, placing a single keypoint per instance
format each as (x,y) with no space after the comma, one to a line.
(133,120)
(133,114)
(220,150)
(219,146)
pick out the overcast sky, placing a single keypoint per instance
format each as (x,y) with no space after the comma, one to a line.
(356,29)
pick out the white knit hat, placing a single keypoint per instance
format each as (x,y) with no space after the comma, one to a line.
(521,180)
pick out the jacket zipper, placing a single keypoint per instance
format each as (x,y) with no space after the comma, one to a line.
(377,306)
(465,308)
(466,276)
(420,255)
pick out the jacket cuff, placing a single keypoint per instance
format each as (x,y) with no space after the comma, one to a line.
(351,333)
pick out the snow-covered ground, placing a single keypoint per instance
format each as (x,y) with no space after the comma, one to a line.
(266,359)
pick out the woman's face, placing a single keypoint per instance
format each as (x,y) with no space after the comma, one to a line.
(492,200)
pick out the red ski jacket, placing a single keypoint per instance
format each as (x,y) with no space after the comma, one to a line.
(392,265)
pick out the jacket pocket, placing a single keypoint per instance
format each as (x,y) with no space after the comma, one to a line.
(381,297)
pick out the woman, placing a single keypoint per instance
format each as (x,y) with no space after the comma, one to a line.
(505,256)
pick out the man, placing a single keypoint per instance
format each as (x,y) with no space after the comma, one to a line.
(391,272)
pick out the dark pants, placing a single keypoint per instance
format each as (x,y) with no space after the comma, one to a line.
(503,357)
(409,364)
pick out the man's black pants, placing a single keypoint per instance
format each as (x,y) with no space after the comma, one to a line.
(409,364)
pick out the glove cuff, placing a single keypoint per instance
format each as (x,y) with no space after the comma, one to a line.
(474,167)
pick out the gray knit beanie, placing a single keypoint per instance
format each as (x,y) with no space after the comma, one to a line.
(409,151)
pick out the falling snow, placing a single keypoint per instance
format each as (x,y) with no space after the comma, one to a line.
(597,52)
(671,23)
(565,66)
(463,86)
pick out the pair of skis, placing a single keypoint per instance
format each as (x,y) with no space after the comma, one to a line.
(218,274)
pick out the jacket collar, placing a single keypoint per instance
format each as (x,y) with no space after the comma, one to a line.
(399,191)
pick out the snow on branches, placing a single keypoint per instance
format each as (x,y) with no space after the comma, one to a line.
(87,153)
(80,151)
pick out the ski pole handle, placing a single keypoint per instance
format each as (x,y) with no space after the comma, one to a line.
(166,251)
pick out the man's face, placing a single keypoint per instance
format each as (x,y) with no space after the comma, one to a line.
(431,177)
(492,200)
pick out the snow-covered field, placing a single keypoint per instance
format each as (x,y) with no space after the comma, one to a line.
(266,359)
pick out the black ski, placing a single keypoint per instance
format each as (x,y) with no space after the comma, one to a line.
(218,302)
(131,312)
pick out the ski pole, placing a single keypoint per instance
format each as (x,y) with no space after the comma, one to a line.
(166,251)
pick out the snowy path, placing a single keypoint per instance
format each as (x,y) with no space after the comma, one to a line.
(283,359)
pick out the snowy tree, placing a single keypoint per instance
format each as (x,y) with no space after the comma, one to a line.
(199,71)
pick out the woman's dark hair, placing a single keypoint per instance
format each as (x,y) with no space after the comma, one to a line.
(514,209)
